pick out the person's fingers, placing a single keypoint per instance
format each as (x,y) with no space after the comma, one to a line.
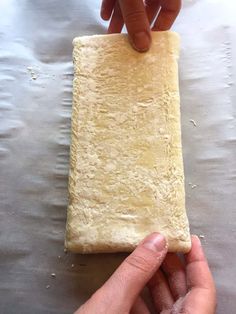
(137,23)
(107,8)
(202,295)
(167,15)
(175,274)
(198,272)
(152,8)
(139,307)
(117,22)
(124,286)
(160,292)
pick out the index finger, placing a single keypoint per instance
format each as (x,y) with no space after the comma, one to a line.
(137,24)
(167,15)
(202,295)
(198,272)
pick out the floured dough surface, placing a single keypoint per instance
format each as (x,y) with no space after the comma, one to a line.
(126,175)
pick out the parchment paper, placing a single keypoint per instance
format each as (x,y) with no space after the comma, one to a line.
(35,106)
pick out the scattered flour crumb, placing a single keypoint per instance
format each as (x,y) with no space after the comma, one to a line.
(53,275)
(193,186)
(193,122)
(48,286)
(33,75)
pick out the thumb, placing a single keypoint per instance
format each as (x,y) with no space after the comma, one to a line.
(129,279)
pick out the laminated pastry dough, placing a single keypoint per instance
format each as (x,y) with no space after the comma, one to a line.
(126,172)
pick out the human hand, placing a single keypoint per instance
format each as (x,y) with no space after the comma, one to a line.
(175,288)
(138,15)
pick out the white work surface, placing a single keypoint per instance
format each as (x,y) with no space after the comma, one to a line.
(35,107)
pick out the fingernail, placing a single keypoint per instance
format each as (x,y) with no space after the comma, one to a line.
(141,41)
(156,242)
(104,14)
(197,239)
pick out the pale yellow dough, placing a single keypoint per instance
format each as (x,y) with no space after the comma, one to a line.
(126,175)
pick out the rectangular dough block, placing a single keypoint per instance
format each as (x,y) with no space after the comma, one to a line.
(126,173)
